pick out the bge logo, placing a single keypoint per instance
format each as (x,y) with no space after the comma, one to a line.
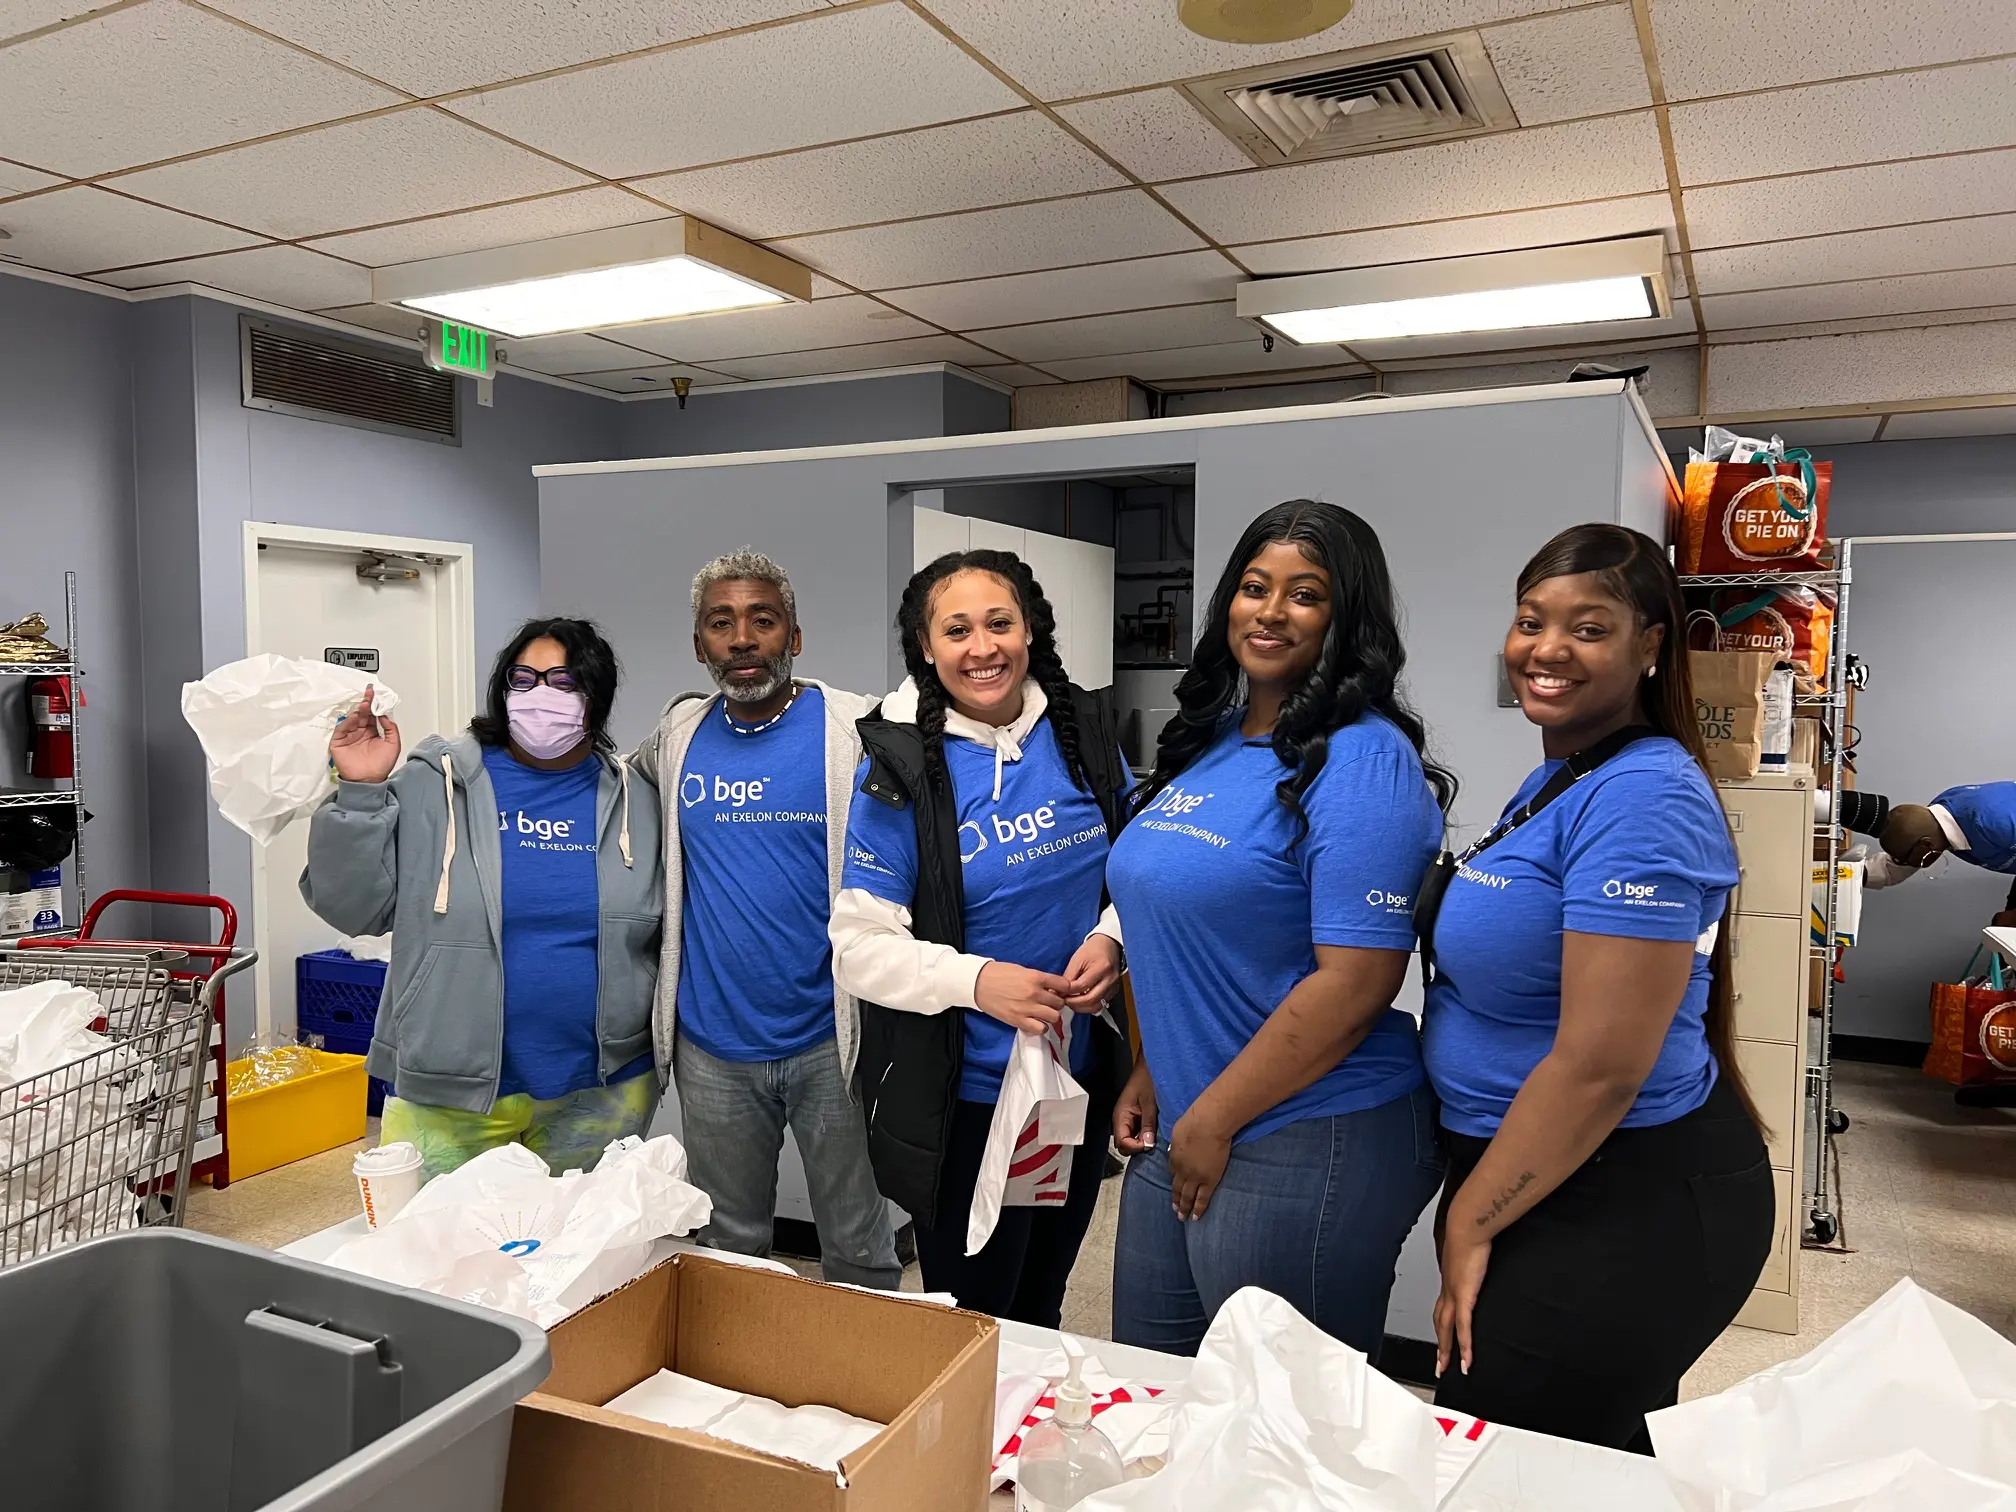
(1025,827)
(1615,889)
(693,789)
(1175,801)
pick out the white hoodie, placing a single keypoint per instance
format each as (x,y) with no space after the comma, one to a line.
(874,954)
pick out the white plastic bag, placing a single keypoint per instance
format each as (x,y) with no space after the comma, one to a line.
(505,1233)
(264,724)
(811,1434)
(1911,1405)
(376,947)
(1039,1122)
(1279,1416)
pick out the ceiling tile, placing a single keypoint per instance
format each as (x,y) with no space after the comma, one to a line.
(1021,239)
(1800,41)
(412,162)
(857,359)
(837,75)
(389,320)
(1157,134)
(1227,361)
(1141,331)
(1464,238)
(996,160)
(825,288)
(1990,420)
(654,379)
(1879,367)
(1978,242)
(1854,121)
(1578,63)
(1843,432)
(290,276)
(139,85)
(1612,334)
(575,352)
(78,229)
(848,321)
(1014,375)
(433,46)
(1512,170)
(1180,278)
(498,226)
(18,17)
(1877,296)
(1852,199)
(17,179)
(1914,320)
(1065,48)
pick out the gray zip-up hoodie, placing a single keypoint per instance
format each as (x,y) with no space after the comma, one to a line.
(662,759)
(418,854)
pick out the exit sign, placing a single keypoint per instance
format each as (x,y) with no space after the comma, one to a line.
(453,348)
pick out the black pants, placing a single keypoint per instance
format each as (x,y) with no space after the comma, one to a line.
(1022,1270)
(1598,1300)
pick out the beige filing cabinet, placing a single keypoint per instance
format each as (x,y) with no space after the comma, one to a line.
(1771,816)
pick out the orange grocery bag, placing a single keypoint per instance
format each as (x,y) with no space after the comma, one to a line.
(1753,517)
(1973,1032)
(1792,622)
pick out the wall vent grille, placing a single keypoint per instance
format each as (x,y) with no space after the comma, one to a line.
(319,377)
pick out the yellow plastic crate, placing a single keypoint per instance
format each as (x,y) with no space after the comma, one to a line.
(303,1117)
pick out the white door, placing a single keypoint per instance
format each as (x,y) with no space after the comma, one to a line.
(309,601)
(1076,576)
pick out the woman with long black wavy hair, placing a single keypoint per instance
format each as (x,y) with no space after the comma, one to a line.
(976,848)
(1264,890)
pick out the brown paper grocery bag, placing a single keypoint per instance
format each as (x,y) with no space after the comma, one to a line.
(1729,707)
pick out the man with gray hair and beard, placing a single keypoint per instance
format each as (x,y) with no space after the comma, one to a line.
(756,780)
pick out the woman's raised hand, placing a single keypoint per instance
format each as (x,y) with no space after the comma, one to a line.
(364,748)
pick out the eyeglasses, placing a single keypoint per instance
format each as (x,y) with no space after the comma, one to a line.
(523,679)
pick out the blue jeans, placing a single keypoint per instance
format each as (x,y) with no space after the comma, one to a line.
(732,1115)
(1315,1212)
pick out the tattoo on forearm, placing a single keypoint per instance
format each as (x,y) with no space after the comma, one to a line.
(1506,1198)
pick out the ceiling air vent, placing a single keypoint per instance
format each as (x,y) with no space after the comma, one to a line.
(1358,101)
(322,377)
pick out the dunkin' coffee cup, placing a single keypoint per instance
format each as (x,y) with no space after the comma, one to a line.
(387,1179)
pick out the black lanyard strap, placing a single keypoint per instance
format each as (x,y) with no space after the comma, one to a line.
(1442,870)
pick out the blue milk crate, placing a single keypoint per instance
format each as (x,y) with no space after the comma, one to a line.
(336,997)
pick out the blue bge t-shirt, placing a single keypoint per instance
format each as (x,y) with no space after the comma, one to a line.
(1638,848)
(1986,814)
(755,968)
(1032,865)
(546,832)
(1222,909)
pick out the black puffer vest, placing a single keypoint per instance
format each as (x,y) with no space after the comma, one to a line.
(909,1063)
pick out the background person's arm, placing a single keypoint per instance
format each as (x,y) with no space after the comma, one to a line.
(1324,1018)
(1618,998)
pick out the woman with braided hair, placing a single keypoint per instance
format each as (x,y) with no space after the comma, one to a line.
(976,852)
(1281,1130)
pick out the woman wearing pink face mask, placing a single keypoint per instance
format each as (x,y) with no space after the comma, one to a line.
(518,869)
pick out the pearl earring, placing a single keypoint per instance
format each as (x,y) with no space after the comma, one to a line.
(1651,669)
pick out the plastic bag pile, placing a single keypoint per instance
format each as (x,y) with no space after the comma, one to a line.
(505,1233)
(65,1136)
(269,1063)
(1910,1406)
(264,724)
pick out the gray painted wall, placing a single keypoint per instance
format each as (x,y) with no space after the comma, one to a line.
(843,412)
(66,504)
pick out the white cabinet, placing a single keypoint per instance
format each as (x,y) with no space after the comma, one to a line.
(1076,577)
(1771,816)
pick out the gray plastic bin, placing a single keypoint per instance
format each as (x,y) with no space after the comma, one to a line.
(165,1371)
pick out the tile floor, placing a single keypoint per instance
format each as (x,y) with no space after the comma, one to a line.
(1928,1190)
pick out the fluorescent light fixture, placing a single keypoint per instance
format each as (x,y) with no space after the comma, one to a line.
(1595,282)
(657,270)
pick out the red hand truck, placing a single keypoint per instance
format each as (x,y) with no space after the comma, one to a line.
(212,1159)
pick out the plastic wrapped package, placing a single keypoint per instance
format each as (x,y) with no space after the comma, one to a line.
(269,1062)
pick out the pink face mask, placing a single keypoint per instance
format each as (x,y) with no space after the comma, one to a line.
(546,722)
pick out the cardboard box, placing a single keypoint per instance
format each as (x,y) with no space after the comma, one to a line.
(926,1371)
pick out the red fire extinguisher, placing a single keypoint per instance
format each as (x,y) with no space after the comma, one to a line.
(51,751)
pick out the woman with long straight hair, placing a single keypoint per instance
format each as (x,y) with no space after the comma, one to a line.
(518,869)
(976,849)
(1280,1128)
(1609,1203)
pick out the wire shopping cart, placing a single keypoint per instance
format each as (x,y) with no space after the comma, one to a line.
(102,1142)
(212,1159)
